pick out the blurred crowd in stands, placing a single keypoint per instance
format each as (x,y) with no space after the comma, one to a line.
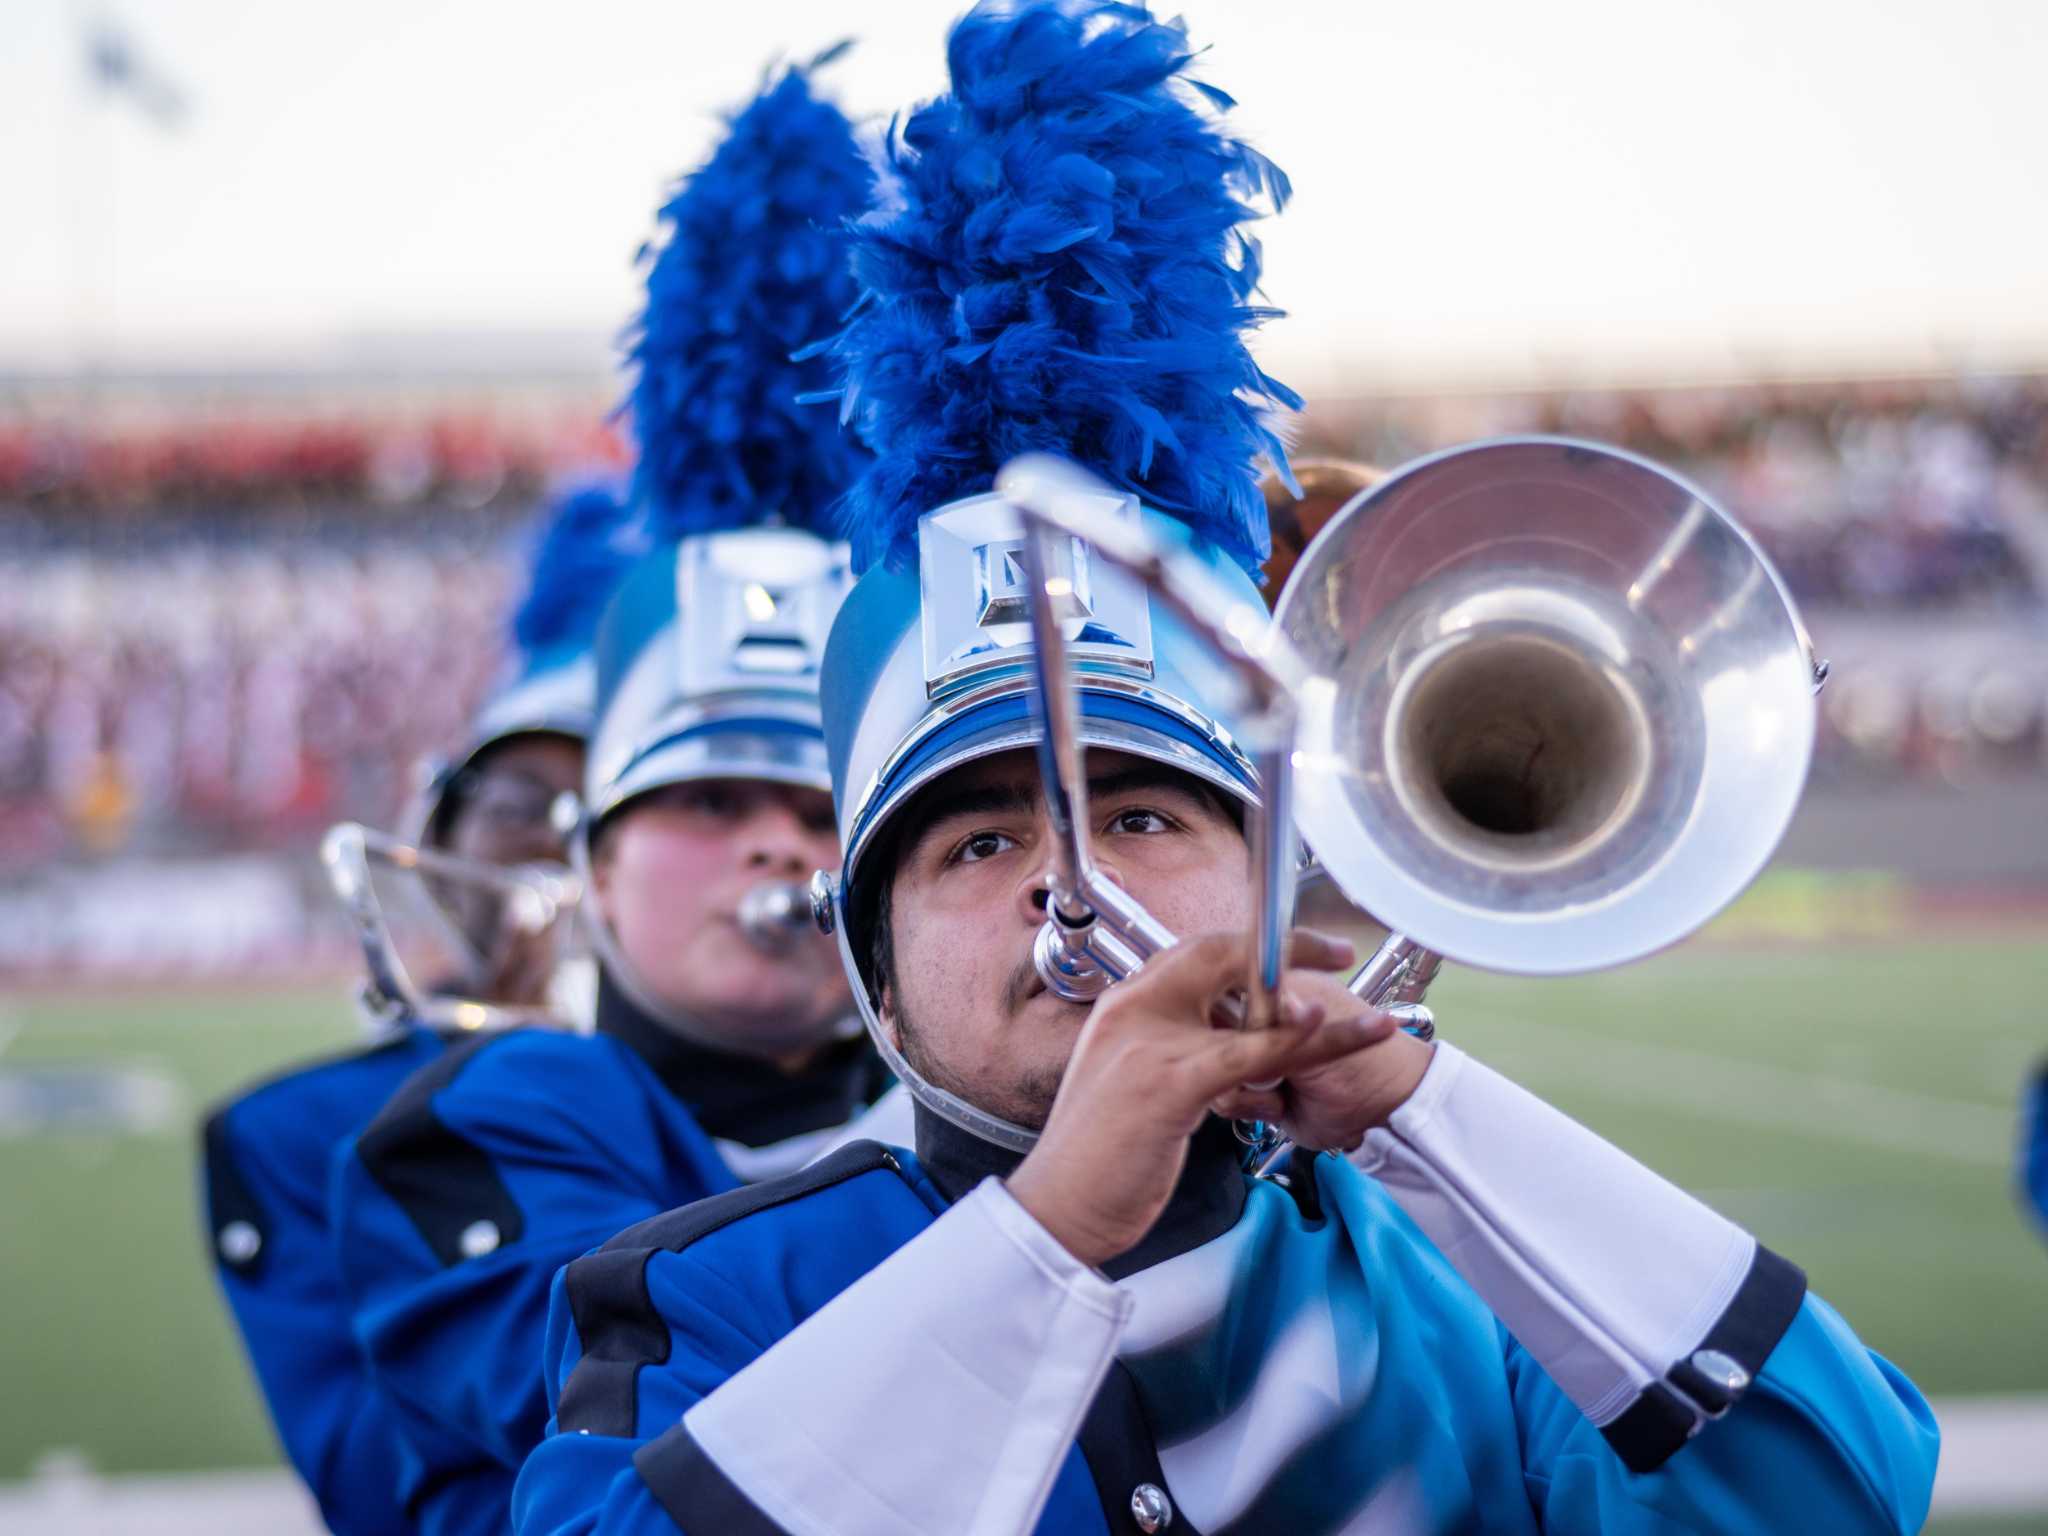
(1872,495)
(226,633)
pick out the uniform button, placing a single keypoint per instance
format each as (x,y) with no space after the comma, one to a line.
(480,1238)
(240,1242)
(1151,1508)
(1711,1380)
(1722,1371)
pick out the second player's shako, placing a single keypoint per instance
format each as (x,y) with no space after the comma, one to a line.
(1064,272)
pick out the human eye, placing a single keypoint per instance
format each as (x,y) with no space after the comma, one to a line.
(1141,821)
(976,846)
(706,798)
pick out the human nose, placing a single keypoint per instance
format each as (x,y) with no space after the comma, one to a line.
(1034,892)
(1031,896)
(776,846)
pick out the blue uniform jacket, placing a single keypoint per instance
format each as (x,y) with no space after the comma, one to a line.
(1451,1415)
(265,1158)
(495,1166)
(2033,1159)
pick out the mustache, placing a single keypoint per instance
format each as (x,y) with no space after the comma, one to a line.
(1021,985)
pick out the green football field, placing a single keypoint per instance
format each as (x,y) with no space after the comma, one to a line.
(1853,1104)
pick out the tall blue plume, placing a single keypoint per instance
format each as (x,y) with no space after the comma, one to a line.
(1065,272)
(753,269)
(580,553)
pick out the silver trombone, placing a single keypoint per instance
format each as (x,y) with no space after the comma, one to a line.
(536,897)
(1539,704)
(1095,932)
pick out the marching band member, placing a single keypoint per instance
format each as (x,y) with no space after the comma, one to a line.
(267,1152)
(725,1048)
(1069,1309)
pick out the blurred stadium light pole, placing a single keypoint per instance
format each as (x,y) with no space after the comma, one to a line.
(115,67)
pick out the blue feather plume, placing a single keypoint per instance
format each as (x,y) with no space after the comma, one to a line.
(753,269)
(1065,272)
(581,552)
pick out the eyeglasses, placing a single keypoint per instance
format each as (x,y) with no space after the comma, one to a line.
(508,800)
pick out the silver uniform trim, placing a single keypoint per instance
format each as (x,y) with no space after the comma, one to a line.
(972,598)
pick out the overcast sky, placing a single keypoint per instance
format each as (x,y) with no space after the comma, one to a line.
(1485,190)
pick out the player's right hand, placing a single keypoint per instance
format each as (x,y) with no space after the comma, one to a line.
(1148,1063)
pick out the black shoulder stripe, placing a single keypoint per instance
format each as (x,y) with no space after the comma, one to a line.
(616,1321)
(239,1234)
(620,1331)
(1121,1453)
(1652,1429)
(1658,1423)
(1765,1305)
(436,1074)
(675,1230)
(695,1490)
(446,1185)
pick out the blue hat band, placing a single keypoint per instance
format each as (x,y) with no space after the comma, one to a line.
(762,747)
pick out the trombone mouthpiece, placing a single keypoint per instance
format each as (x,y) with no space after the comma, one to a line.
(774,916)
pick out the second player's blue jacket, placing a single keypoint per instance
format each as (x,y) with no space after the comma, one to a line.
(499,1163)
(266,1156)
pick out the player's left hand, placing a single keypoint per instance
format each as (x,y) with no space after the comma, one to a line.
(1332,1106)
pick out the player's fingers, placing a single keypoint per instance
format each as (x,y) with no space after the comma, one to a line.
(1260,1056)
(1188,979)
(1192,977)
(1310,949)
(1250,1104)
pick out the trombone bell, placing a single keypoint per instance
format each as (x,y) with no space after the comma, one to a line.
(1560,706)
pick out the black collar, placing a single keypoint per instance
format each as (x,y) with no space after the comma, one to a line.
(743,1098)
(1205,1203)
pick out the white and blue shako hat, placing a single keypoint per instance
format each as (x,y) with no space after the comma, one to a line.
(549,682)
(1065,272)
(708,657)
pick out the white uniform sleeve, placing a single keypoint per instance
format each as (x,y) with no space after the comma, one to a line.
(979,1346)
(1651,1312)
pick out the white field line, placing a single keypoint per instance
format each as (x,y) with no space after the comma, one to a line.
(1992,1463)
(1994,1455)
(1718,1087)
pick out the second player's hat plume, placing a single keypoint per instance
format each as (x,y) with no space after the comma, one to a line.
(753,269)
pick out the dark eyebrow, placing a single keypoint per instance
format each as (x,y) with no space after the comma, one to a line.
(1142,778)
(937,806)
